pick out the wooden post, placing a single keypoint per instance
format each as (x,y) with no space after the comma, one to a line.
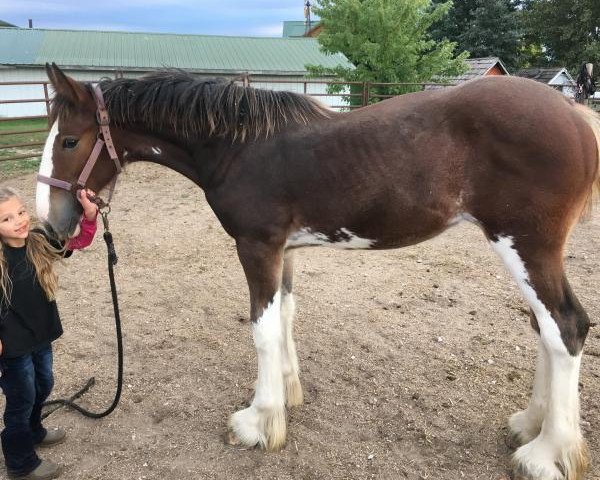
(366,94)
(47,97)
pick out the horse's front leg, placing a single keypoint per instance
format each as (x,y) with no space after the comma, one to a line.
(263,422)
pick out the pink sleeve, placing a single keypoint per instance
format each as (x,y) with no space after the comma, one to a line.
(85,237)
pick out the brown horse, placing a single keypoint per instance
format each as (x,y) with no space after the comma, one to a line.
(280,171)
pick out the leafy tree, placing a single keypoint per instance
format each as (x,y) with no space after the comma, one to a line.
(569,30)
(386,41)
(485,28)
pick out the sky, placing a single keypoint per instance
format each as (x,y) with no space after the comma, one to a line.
(263,18)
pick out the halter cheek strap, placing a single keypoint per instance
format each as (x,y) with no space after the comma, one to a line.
(103,120)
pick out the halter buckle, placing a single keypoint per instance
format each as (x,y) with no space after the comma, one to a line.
(102,118)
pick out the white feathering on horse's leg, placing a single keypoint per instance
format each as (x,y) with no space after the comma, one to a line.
(527,424)
(264,421)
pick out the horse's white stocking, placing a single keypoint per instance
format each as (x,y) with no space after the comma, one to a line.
(291,379)
(527,424)
(263,422)
(558,452)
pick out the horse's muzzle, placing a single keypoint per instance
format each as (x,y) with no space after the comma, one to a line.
(64,213)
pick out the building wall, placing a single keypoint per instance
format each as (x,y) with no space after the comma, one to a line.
(21,92)
(563,84)
(495,70)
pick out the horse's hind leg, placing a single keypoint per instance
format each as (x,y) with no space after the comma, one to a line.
(558,452)
(263,422)
(291,379)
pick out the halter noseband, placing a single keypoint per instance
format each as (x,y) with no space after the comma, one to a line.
(104,131)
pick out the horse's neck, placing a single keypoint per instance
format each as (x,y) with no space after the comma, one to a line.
(171,153)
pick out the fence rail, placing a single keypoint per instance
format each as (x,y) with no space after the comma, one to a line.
(594,104)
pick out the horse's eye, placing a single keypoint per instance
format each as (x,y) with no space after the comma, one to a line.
(70,142)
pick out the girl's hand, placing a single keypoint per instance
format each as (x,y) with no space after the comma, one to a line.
(90,209)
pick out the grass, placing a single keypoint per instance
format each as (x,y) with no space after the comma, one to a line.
(12,168)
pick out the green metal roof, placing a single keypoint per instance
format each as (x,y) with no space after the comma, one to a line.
(132,50)
(296,28)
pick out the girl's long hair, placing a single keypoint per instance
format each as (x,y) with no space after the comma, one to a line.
(40,254)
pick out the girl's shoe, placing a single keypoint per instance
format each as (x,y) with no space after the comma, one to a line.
(46,470)
(53,437)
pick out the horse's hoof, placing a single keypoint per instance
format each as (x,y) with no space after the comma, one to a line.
(231,439)
(512,441)
(518,476)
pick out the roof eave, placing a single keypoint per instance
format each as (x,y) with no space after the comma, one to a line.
(294,73)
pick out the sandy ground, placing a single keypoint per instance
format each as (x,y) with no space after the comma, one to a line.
(411,359)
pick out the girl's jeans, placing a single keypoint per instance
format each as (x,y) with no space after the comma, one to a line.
(26,382)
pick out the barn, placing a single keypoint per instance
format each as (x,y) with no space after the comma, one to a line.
(557,78)
(90,55)
(476,67)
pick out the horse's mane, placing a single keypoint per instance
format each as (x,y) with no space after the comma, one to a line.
(199,107)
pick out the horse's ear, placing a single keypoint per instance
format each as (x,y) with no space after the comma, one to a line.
(66,86)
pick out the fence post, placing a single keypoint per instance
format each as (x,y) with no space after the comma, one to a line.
(366,94)
(47,97)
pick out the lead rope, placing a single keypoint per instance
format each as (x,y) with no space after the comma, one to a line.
(59,403)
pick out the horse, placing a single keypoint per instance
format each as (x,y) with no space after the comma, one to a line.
(281,171)
(586,87)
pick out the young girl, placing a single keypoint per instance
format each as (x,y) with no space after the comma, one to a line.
(29,322)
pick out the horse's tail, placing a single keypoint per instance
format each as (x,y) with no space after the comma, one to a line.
(592,118)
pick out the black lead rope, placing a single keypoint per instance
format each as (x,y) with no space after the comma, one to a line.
(57,404)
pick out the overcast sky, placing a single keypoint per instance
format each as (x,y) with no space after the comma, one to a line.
(208,17)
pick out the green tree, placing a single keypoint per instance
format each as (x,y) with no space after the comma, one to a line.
(485,28)
(386,41)
(569,30)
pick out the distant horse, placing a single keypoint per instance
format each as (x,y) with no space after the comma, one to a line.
(586,87)
(281,171)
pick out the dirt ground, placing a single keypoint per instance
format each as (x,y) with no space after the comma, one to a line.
(411,359)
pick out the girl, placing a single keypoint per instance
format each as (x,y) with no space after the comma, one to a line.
(29,322)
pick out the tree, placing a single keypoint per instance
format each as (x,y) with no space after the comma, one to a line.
(569,30)
(386,41)
(485,28)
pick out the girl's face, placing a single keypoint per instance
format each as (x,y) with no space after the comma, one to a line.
(14,222)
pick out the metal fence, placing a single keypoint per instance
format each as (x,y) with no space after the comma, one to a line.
(7,132)
(340,96)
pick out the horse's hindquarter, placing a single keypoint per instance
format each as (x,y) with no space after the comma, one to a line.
(529,154)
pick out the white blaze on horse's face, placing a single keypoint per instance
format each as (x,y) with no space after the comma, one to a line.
(42,196)
(345,239)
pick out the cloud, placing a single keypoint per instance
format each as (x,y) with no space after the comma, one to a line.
(209,17)
(275,30)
